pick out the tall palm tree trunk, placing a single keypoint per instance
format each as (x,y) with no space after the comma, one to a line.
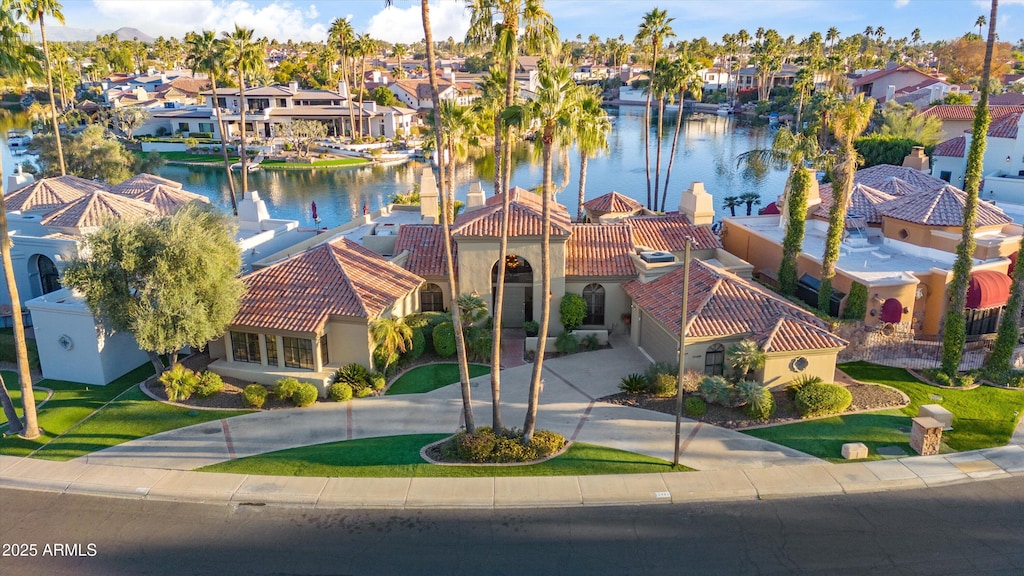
(647,140)
(657,154)
(224,146)
(53,105)
(362,85)
(28,400)
(675,140)
(460,340)
(13,421)
(583,185)
(241,148)
(536,378)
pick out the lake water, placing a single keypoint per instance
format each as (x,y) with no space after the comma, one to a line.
(706,152)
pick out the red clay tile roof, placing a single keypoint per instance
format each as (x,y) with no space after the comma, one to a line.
(599,250)
(723,305)
(863,202)
(952,148)
(426,250)
(337,278)
(525,217)
(880,177)
(612,202)
(966,111)
(1005,127)
(97,209)
(1008,99)
(943,207)
(883,73)
(50,193)
(168,200)
(669,233)
(140,183)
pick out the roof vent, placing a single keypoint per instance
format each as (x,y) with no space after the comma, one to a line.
(657,257)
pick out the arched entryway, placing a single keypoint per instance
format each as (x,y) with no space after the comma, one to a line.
(517,306)
(892,311)
(44,275)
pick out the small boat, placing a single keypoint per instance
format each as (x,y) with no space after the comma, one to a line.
(250,165)
(773,118)
(17,140)
(724,110)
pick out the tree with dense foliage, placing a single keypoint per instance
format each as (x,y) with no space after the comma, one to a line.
(90,155)
(206,52)
(963,59)
(244,55)
(127,119)
(383,97)
(905,122)
(745,357)
(954,334)
(849,120)
(684,75)
(794,151)
(655,28)
(302,134)
(880,149)
(35,11)
(170,282)
(391,337)
(768,55)
(506,26)
(591,135)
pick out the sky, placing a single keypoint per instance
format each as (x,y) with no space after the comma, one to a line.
(284,19)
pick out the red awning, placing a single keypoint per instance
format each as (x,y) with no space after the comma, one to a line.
(892,311)
(772,208)
(988,289)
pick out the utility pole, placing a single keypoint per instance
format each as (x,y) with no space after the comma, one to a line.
(682,350)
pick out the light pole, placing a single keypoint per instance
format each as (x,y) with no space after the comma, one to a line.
(682,350)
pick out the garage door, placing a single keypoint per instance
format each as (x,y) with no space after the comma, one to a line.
(656,340)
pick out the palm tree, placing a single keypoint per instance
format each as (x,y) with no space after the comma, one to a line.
(591,133)
(490,105)
(400,51)
(750,199)
(849,121)
(460,340)
(497,23)
(794,151)
(745,357)
(205,52)
(654,29)
(954,333)
(35,11)
(554,107)
(456,125)
(685,75)
(803,83)
(731,203)
(342,34)
(365,46)
(19,60)
(391,336)
(980,23)
(831,36)
(245,56)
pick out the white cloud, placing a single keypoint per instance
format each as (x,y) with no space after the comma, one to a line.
(902,3)
(406,25)
(280,19)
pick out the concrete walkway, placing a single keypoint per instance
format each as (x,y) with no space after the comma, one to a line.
(568,406)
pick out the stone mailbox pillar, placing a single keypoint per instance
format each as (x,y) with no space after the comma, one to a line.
(926,435)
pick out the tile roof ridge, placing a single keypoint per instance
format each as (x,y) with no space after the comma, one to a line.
(333,252)
(775,330)
(700,308)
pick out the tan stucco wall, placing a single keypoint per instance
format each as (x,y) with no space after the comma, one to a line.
(616,302)
(478,255)
(348,342)
(779,369)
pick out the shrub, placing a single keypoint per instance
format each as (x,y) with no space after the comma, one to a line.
(856,302)
(695,406)
(505,446)
(340,392)
(573,310)
(531,327)
(1015,380)
(941,378)
(820,399)
(364,392)
(444,340)
(664,385)
(965,380)
(633,384)
(591,342)
(796,384)
(378,381)
(209,384)
(691,381)
(567,343)
(179,382)
(285,388)
(545,443)
(759,402)
(305,395)
(479,342)
(254,396)
(381,359)
(661,368)
(355,375)
(419,344)
(716,390)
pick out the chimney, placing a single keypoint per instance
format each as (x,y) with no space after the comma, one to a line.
(697,205)
(163,78)
(252,210)
(343,89)
(475,198)
(890,93)
(428,196)
(293,87)
(19,180)
(916,159)
(813,195)
(370,106)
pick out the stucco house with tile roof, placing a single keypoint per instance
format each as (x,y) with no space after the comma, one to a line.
(1003,161)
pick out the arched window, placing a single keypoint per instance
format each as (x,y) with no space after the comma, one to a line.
(593,295)
(431,298)
(714,360)
(49,279)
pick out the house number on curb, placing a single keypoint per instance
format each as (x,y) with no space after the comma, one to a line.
(662,495)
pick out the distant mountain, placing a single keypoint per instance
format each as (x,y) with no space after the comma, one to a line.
(69,34)
(126,33)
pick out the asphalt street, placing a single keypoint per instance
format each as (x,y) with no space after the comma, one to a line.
(975,528)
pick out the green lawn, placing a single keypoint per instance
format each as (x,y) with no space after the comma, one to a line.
(14,389)
(133,415)
(281,164)
(982,418)
(7,348)
(71,402)
(431,377)
(398,457)
(191,157)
